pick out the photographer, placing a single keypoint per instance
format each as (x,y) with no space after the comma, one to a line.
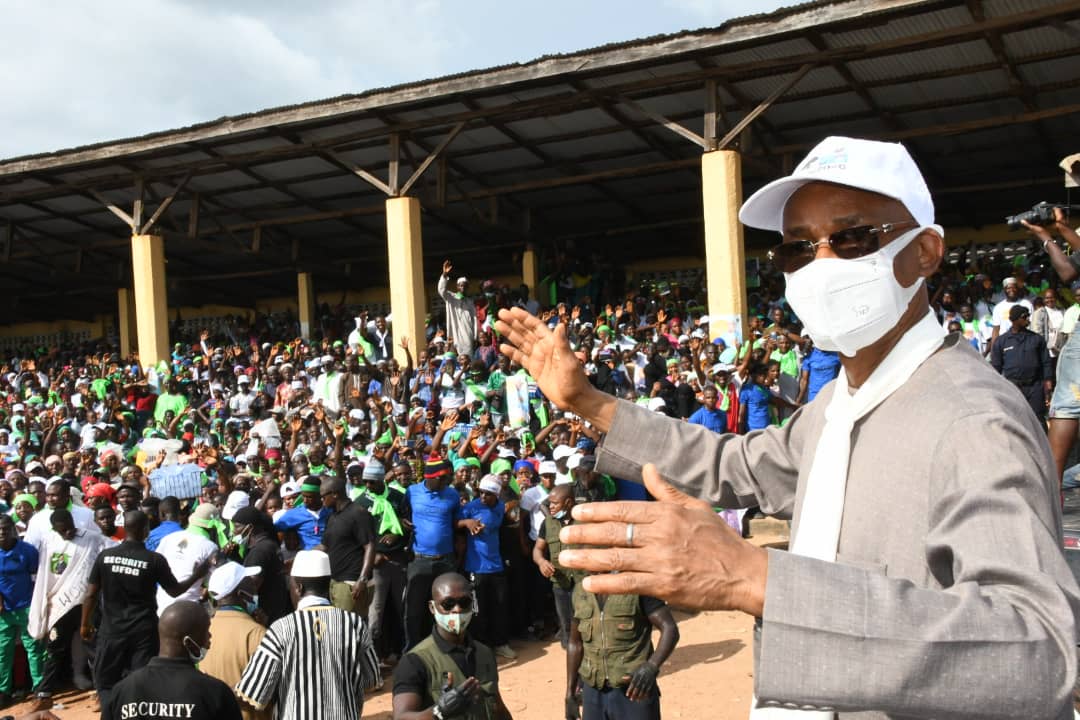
(1064,405)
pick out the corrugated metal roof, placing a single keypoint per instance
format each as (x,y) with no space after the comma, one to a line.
(552,146)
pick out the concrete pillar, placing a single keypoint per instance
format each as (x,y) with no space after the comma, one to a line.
(725,255)
(405,253)
(530,270)
(305,289)
(151,306)
(126,328)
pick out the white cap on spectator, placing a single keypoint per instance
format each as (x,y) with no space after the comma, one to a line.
(243,380)
(561,451)
(880,167)
(311,564)
(290,488)
(34,465)
(18,408)
(491,483)
(228,577)
(547,467)
(656,404)
(237,499)
(574,461)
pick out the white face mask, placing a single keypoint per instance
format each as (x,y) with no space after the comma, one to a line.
(846,305)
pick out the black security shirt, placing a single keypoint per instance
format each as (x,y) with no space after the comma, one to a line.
(274,597)
(347,532)
(170,688)
(128,576)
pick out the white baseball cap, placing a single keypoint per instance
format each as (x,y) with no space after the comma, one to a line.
(290,488)
(237,499)
(311,564)
(547,467)
(226,578)
(880,167)
(562,451)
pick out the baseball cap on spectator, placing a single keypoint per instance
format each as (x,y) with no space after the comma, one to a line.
(290,488)
(204,516)
(547,467)
(18,408)
(574,461)
(226,578)
(243,380)
(657,404)
(34,465)
(880,167)
(237,499)
(560,452)
(1009,282)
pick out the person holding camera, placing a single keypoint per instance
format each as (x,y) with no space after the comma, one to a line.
(1064,405)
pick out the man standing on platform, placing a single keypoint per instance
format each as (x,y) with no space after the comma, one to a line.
(460,313)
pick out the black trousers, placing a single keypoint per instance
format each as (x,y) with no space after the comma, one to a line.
(419,578)
(65,648)
(115,657)
(1036,397)
(492,593)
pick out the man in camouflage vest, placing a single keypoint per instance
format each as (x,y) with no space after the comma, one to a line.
(448,673)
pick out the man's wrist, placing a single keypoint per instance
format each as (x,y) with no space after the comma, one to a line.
(756,566)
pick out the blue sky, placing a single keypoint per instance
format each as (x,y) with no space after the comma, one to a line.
(75,72)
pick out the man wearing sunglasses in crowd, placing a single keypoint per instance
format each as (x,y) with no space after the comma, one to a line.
(448,674)
(925,613)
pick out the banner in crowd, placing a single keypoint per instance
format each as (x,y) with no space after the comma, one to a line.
(180,481)
(517,400)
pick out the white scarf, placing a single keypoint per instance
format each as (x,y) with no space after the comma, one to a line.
(822,510)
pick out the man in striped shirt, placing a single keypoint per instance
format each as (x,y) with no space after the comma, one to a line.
(315,663)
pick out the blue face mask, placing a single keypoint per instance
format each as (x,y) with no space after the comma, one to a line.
(251,604)
(559,515)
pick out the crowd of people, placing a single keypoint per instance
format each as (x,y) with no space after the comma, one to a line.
(255,479)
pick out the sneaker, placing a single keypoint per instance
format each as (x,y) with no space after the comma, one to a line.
(506,651)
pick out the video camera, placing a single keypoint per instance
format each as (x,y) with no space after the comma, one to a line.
(1042,214)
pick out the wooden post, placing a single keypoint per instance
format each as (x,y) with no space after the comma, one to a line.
(530,270)
(125,316)
(725,256)
(306,303)
(405,253)
(151,304)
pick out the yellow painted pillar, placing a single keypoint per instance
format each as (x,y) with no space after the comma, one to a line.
(725,253)
(530,270)
(405,253)
(151,305)
(127,328)
(306,301)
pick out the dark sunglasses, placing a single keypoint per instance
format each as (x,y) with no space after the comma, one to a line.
(462,603)
(848,244)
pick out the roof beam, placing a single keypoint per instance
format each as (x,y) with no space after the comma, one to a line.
(662,121)
(431,157)
(164,204)
(763,106)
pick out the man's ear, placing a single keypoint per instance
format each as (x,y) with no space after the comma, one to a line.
(931,251)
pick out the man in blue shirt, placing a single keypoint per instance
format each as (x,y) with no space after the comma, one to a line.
(309,520)
(18,561)
(169,512)
(435,509)
(483,561)
(818,370)
(709,415)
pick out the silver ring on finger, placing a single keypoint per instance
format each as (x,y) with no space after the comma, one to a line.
(629,534)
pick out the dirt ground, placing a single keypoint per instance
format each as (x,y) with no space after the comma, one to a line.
(709,674)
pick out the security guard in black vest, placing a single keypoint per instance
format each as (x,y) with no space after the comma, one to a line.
(611,652)
(1022,358)
(448,674)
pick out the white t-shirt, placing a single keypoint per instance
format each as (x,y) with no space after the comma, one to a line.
(1001,313)
(39,527)
(530,503)
(184,551)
